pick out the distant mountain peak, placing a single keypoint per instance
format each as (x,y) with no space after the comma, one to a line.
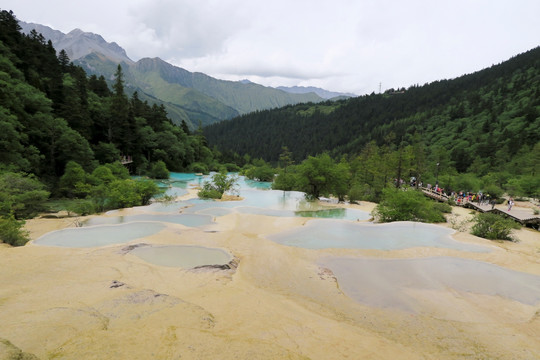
(78,43)
(76,32)
(325,94)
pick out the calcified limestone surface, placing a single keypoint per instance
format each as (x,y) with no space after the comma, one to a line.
(275,301)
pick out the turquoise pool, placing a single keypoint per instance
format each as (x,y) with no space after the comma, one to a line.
(277,203)
(323,234)
(99,235)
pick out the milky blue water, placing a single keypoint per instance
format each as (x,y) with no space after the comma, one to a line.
(192,220)
(386,283)
(275,203)
(174,192)
(184,256)
(256,198)
(323,234)
(336,228)
(99,235)
(376,282)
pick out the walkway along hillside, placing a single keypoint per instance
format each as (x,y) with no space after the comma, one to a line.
(525,216)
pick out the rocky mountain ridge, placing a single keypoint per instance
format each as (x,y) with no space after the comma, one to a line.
(194,97)
(78,43)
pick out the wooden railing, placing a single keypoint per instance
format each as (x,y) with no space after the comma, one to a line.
(126,160)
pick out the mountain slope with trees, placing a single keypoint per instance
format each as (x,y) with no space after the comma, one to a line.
(64,133)
(194,98)
(477,133)
(479,122)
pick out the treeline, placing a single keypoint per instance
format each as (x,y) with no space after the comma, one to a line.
(366,176)
(482,123)
(61,128)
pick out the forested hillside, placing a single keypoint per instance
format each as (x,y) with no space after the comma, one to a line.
(52,113)
(65,134)
(482,122)
(193,97)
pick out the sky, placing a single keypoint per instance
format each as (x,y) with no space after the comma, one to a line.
(355,46)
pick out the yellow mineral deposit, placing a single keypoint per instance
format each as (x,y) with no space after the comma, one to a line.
(274,302)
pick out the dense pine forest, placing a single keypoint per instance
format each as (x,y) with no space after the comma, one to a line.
(474,132)
(53,113)
(485,118)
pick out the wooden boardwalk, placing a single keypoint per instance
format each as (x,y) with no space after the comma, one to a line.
(126,160)
(525,216)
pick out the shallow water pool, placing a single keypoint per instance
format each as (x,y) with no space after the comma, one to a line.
(323,234)
(99,235)
(390,283)
(191,220)
(183,256)
(277,203)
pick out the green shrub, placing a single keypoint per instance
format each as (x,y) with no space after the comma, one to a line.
(494,191)
(118,170)
(122,194)
(22,196)
(493,227)
(11,231)
(260,173)
(102,175)
(207,192)
(442,207)
(232,167)
(362,192)
(467,182)
(285,181)
(159,170)
(146,189)
(409,205)
(199,168)
(82,207)
(219,184)
(72,182)
(356,193)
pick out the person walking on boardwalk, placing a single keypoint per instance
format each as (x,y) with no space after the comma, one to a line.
(510,203)
(493,202)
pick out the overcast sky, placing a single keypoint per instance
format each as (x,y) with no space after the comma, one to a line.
(340,45)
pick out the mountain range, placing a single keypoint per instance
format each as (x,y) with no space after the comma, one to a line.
(193,97)
(325,94)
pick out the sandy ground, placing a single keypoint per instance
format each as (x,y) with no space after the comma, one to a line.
(105,303)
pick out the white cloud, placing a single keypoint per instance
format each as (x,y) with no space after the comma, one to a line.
(182,29)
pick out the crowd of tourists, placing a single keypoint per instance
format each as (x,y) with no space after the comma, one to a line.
(463,197)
